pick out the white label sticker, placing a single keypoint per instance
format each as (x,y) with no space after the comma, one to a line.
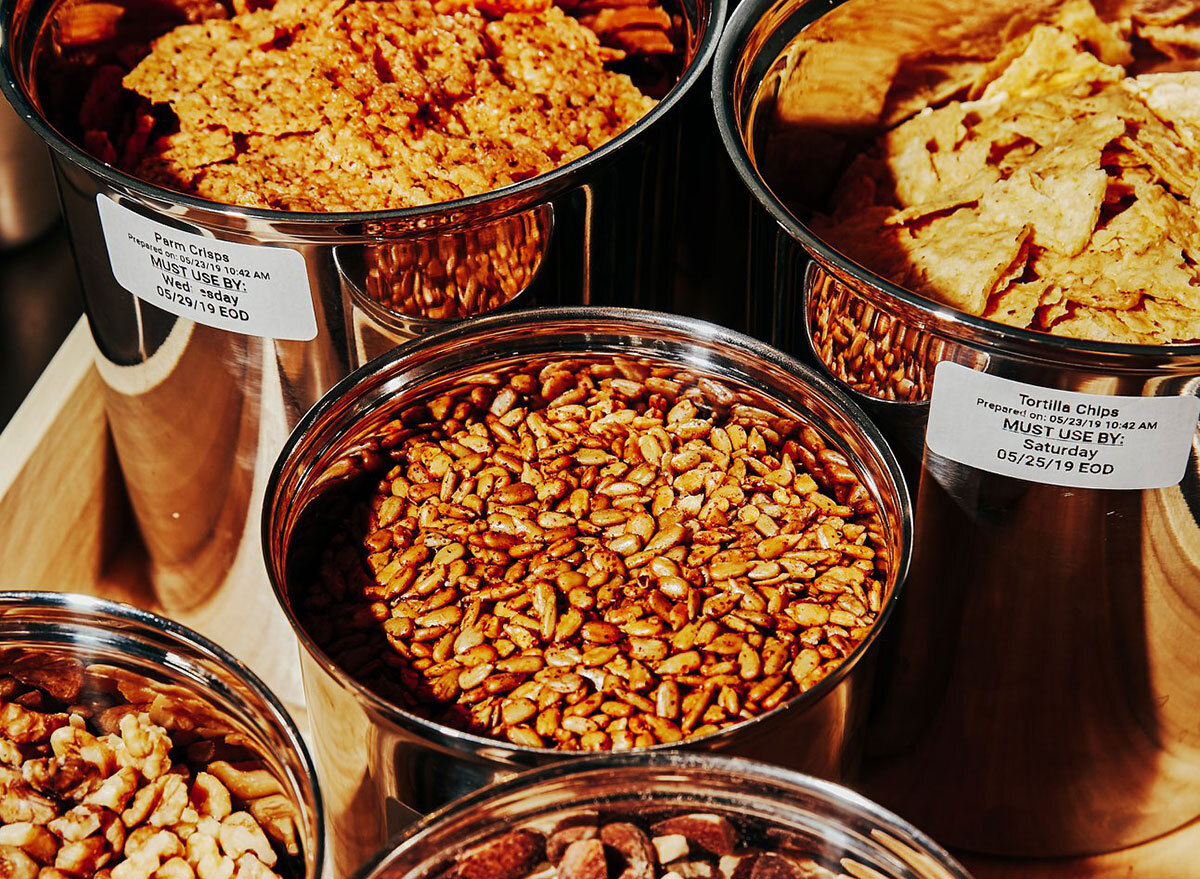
(1059,437)
(243,288)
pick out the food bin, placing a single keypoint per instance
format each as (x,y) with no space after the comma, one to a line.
(125,671)
(796,824)
(199,404)
(384,765)
(1041,693)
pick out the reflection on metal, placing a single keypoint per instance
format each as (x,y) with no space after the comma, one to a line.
(409,287)
(372,752)
(1036,680)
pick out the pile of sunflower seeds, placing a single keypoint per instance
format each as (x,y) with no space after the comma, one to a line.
(600,554)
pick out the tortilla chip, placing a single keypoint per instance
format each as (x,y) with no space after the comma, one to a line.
(1178,41)
(930,157)
(1103,38)
(1051,62)
(1163,12)
(1061,200)
(925,82)
(1174,322)
(1017,304)
(1175,99)
(835,86)
(960,261)
(1097,325)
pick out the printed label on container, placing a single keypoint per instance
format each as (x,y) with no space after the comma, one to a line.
(1059,437)
(243,288)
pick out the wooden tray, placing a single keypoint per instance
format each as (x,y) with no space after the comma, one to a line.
(65,525)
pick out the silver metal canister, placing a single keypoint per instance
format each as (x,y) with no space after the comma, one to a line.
(813,819)
(382,766)
(27,202)
(1040,687)
(202,390)
(100,655)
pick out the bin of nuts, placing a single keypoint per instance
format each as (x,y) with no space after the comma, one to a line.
(578,530)
(664,816)
(131,748)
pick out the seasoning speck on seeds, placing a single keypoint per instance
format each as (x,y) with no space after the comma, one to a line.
(375,104)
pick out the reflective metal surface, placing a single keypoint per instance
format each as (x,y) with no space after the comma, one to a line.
(1039,691)
(27,202)
(844,830)
(198,414)
(382,766)
(117,652)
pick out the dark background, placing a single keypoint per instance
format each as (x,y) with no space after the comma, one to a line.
(39,303)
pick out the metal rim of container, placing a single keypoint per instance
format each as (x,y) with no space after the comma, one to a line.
(821,789)
(941,319)
(714,16)
(635,318)
(97,609)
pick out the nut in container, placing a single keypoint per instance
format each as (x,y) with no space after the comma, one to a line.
(589,529)
(132,749)
(660,816)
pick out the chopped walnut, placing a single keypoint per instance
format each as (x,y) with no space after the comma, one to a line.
(77,806)
(75,741)
(20,802)
(240,833)
(204,854)
(78,823)
(27,727)
(16,864)
(37,842)
(116,791)
(277,816)
(176,868)
(210,796)
(85,857)
(144,746)
(250,867)
(10,754)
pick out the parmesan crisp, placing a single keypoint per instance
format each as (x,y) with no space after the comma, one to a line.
(323,106)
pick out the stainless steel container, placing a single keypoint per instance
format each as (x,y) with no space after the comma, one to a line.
(27,201)
(843,831)
(383,766)
(201,394)
(102,650)
(1040,691)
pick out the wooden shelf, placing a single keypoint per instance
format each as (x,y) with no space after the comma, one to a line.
(65,525)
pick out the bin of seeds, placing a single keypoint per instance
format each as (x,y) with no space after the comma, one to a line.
(1004,270)
(131,748)
(580,530)
(661,816)
(263,195)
